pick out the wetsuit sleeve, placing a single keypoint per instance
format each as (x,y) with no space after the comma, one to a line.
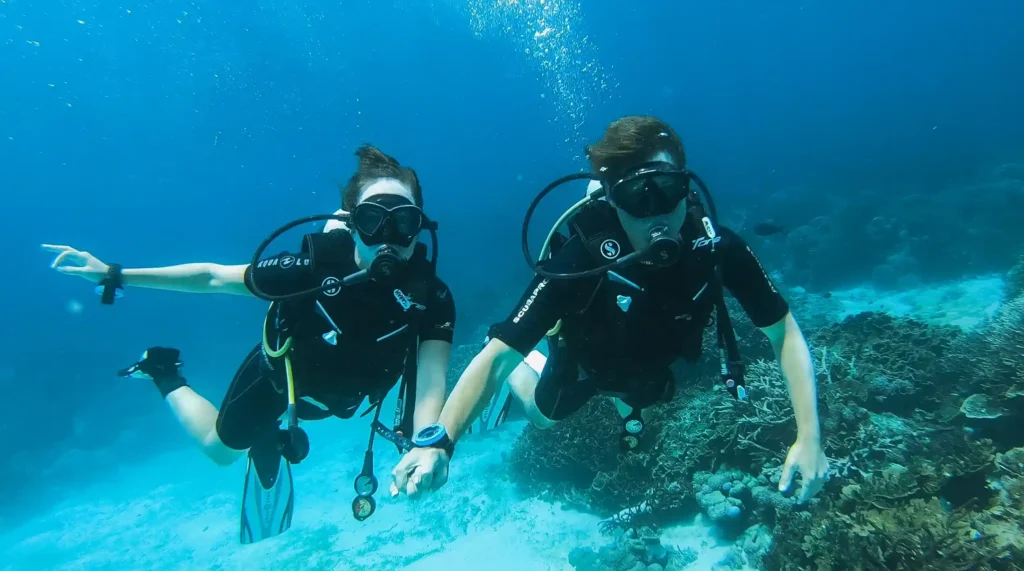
(439,319)
(282,274)
(539,308)
(748,282)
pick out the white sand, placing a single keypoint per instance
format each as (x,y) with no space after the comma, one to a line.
(965,303)
(179,512)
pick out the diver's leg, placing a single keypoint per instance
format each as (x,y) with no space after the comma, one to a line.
(199,418)
(653,388)
(625,410)
(523,383)
(556,397)
(253,404)
(162,365)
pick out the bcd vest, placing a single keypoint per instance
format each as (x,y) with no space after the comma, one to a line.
(644,317)
(370,327)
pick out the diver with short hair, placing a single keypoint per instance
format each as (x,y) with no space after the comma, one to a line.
(629,289)
(359,308)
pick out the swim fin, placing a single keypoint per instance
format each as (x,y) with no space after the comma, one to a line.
(268,497)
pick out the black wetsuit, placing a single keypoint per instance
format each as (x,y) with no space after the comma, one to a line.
(377,327)
(615,339)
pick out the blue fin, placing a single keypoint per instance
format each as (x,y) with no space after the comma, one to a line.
(268,497)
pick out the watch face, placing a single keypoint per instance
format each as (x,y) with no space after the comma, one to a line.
(429,435)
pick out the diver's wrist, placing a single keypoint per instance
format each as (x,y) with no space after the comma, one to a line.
(435,436)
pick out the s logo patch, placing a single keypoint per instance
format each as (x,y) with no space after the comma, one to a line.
(610,249)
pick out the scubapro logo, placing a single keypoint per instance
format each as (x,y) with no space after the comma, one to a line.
(331,286)
(287,262)
(610,249)
(529,301)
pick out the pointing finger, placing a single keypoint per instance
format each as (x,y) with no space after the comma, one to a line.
(54,248)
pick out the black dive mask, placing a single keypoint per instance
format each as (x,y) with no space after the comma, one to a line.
(388,219)
(652,189)
(396,222)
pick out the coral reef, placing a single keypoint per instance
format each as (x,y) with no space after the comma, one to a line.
(924,473)
(578,461)
(631,550)
(900,239)
(994,405)
(896,363)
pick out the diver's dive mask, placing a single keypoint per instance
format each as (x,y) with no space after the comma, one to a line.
(386,224)
(652,189)
(388,219)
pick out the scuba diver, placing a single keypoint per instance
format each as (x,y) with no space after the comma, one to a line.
(640,274)
(357,309)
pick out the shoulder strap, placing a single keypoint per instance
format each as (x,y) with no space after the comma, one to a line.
(330,248)
(597,225)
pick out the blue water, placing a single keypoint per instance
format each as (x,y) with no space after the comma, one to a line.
(153,133)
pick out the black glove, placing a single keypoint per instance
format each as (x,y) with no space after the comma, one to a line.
(160,365)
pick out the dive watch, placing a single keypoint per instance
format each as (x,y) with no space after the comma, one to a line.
(434,436)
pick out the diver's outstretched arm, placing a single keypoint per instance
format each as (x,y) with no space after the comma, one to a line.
(203,277)
(478,383)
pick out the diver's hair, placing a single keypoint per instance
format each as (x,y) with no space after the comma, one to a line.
(631,141)
(374,165)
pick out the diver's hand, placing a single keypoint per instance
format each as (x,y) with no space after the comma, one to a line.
(421,469)
(76,263)
(807,457)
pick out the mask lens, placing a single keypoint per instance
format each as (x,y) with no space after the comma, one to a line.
(408,220)
(368,218)
(650,193)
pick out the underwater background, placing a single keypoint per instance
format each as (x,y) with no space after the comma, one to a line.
(884,139)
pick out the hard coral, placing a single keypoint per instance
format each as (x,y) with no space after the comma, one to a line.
(920,534)
(579,461)
(630,551)
(724,497)
(897,361)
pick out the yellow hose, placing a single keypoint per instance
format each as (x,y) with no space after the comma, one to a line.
(282,352)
